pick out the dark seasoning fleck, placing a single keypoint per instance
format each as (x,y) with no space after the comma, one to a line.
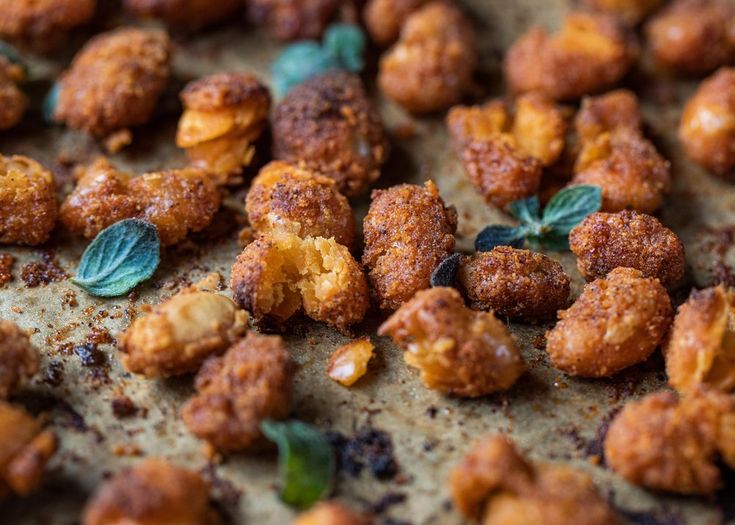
(43,272)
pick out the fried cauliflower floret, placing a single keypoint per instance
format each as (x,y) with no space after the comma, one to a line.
(41,24)
(328,125)
(385,18)
(153,492)
(408,231)
(251,382)
(25,448)
(350,361)
(519,284)
(671,443)
(707,127)
(187,14)
(294,19)
(590,53)
(605,113)
(287,198)
(431,66)
(280,274)
(28,206)
(331,513)
(495,484)
(115,81)
(223,115)
(616,322)
(605,241)
(693,36)
(458,351)
(18,358)
(13,102)
(629,11)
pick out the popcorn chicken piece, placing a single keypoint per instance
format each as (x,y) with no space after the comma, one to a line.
(328,125)
(349,362)
(223,115)
(251,382)
(385,18)
(458,351)
(431,66)
(18,358)
(331,513)
(616,322)
(629,11)
(187,14)
(13,102)
(41,24)
(590,53)
(285,197)
(408,231)
(294,19)
(605,241)
(28,206)
(605,113)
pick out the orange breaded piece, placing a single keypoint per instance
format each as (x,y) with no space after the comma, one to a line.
(605,241)
(13,102)
(294,19)
(19,359)
(188,14)
(28,206)
(431,66)
(251,382)
(41,24)
(408,231)
(331,513)
(349,362)
(519,284)
(457,350)
(494,484)
(328,125)
(605,113)
(288,198)
(629,11)
(115,81)
(616,322)
(385,18)
(590,53)
(153,492)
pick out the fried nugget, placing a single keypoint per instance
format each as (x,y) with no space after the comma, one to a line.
(349,362)
(41,24)
(294,19)
(328,125)
(18,358)
(331,513)
(385,18)
(457,350)
(408,231)
(187,14)
(13,102)
(629,11)
(431,66)
(605,113)
(251,382)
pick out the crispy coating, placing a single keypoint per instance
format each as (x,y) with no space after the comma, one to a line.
(331,513)
(251,382)
(28,206)
(605,241)
(13,102)
(328,125)
(494,483)
(605,113)
(671,443)
(519,284)
(629,11)
(153,492)
(294,19)
(431,66)
(280,274)
(186,14)
(408,231)
(590,53)
(616,322)
(223,115)
(458,351)
(115,81)
(41,24)
(385,18)
(18,358)
(286,197)
(349,362)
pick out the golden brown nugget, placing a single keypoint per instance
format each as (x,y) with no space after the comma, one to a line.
(629,11)
(605,113)
(187,14)
(13,102)
(153,492)
(329,126)
(494,484)
(349,362)
(605,241)
(115,81)
(615,323)
(385,18)
(294,19)
(457,350)
(331,513)
(519,284)
(41,24)
(251,382)
(431,66)
(590,53)
(285,197)
(19,359)
(28,206)
(408,231)
(223,115)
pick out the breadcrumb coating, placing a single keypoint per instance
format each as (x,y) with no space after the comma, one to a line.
(629,11)
(41,24)
(349,362)
(294,19)
(187,14)
(385,18)
(331,513)
(19,359)
(605,113)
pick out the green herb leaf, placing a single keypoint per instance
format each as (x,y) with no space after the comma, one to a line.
(446,272)
(497,235)
(526,210)
(119,258)
(10,54)
(570,206)
(306,461)
(298,63)
(347,43)
(549,241)
(50,101)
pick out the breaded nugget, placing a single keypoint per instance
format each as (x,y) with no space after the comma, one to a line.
(186,14)
(18,358)
(605,241)
(328,125)
(431,66)
(41,24)
(294,19)
(28,206)
(519,284)
(605,113)
(408,231)
(590,53)
(223,115)
(629,11)
(349,362)
(235,392)
(616,322)
(457,350)
(13,102)
(285,197)
(331,513)
(153,492)
(385,18)
(494,484)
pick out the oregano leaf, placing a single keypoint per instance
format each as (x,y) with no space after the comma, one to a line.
(525,210)
(446,272)
(498,235)
(347,43)
(299,62)
(570,206)
(50,101)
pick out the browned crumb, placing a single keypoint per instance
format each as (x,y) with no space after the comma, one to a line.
(41,24)
(331,513)
(187,14)
(385,18)
(349,362)
(18,358)
(294,19)
(42,272)
(6,268)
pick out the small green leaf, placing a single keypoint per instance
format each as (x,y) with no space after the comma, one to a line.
(119,258)
(298,63)
(497,235)
(305,459)
(570,206)
(446,272)
(50,101)
(549,241)
(10,54)
(347,43)
(526,210)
